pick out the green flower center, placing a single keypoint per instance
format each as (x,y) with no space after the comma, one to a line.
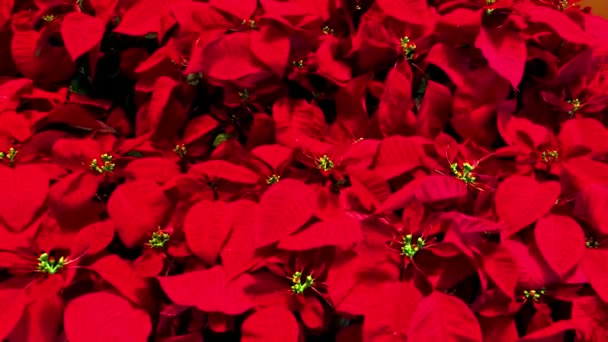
(194,78)
(298,64)
(549,156)
(328,30)
(105,165)
(534,295)
(48,18)
(592,243)
(249,23)
(180,150)
(411,247)
(300,286)
(10,155)
(408,47)
(464,172)
(244,95)
(273,179)
(50,265)
(575,106)
(158,239)
(324,163)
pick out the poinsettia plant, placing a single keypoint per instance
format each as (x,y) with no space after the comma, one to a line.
(290,170)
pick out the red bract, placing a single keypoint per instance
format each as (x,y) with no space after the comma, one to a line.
(281,170)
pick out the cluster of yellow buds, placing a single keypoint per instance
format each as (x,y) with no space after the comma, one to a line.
(298,286)
(410,248)
(106,165)
(49,265)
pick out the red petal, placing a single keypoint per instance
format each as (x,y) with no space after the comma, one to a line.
(340,232)
(238,254)
(242,10)
(441,191)
(207,226)
(393,111)
(390,311)
(502,268)
(273,155)
(520,201)
(270,45)
(441,317)
(583,132)
(270,324)
(435,109)
(595,267)
(409,11)
(561,241)
(22,194)
(505,51)
(14,303)
(150,16)
(157,169)
(284,208)
(561,23)
(208,290)
(224,170)
(590,207)
(397,155)
(120,274)
(534,272)
(137,209)
(93,238)
(121,322)
(229,58)
(81,32)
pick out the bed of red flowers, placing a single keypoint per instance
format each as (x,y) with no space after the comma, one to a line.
(266,170)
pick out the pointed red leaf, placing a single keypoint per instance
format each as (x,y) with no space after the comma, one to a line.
(389,311)
(22,194)
(270,45)
(224,170)
(520,201)
(534,272)
(81,33)
(561,241)
(340,232)
(438,190)
(120,274)
(157,169)
(242,10)
(595,267)
(582,172)
(590,207)
(441,317)
(238,254)
(409,11)
(583,132)
(137,209)
(147,16)
(207,226)
(397,155)
(284,208)
(122,321)
(505,51)
(14,303)
(208,290)
(273,155)
(394,112)
(270,324)
(502,268)
(93,238)
(558,21)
